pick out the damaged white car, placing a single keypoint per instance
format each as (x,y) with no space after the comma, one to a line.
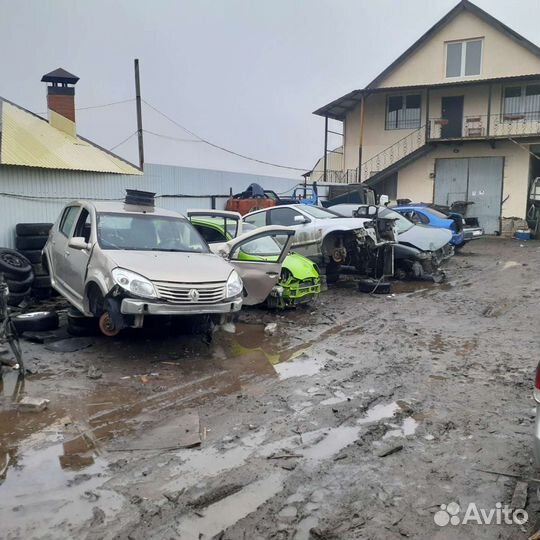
(120,262)
(332,241)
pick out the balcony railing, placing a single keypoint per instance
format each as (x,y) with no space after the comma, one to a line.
(402,148)
(483,126)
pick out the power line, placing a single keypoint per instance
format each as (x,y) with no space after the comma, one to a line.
(170,137)
(222,148)
(124,141)
(99,106)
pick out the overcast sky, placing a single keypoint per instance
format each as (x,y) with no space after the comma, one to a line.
(245,74)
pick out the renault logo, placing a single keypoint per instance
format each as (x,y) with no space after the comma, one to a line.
(193,295)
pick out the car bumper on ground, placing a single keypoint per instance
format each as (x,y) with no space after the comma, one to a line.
(132,306)
(472,233)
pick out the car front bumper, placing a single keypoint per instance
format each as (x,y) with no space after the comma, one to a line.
(132,306)
(536,440)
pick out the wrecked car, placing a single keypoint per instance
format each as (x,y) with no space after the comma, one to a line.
(424,215)
(299,280)
(420,250)
(332,241)
(120,262)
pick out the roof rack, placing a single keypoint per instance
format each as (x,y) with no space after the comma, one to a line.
(140,198)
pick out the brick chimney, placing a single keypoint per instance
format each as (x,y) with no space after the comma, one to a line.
(61,100)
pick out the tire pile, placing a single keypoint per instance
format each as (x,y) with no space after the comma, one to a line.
(30,240)
(18,274)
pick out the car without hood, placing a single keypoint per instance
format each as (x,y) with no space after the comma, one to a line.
(331,241)
(299,280)
(121,262)
(421,249)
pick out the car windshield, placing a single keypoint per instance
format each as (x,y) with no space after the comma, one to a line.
(319,213)
(144,232)
(403,224)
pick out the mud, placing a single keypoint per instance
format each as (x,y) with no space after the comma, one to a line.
(357,419)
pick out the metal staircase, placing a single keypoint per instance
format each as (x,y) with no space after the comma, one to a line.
(395,156)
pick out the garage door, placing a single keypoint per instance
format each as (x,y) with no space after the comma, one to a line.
(476,180)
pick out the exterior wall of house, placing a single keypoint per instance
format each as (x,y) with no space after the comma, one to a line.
(502,56)
(416,180)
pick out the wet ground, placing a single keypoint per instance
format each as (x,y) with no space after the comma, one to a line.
(358,418)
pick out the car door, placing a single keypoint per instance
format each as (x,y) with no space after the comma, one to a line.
(258,256)
(76,260)
(308,238)
(232,221)
(59,244)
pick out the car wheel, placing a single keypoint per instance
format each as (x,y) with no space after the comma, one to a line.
(42,282)
(15,299)
(33,229)
(37,321)
(107,325)
(30,243)
(14,264)
(34,256)
(332,272)
(21,285)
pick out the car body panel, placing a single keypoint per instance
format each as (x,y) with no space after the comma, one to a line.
(300,279)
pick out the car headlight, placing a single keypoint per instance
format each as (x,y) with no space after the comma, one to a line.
(134,283)
(234,285)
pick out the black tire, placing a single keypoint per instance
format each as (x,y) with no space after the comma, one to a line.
(34,256)
(30,243)
(13,263)
(38,321)
(22,285)
(33,229)
(39,270)
(42,282)
(42,294)
(332,272)
(14,299)
(79,325)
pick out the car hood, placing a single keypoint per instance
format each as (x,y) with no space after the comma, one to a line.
(170,266)
(425,238)
(300,267)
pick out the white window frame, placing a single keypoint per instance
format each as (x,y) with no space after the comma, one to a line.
(522,111)
(463,57)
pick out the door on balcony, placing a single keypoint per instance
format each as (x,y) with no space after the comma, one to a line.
(452,112)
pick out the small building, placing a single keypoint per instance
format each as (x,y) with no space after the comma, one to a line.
(455,118)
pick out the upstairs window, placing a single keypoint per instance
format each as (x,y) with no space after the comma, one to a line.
(403,112)
(463,58)
(522,101)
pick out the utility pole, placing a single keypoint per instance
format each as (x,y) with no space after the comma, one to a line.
(325,147)
(139,114)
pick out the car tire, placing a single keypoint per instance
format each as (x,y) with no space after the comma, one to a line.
(40,270)
(20,285)
(30,243)
(13,264)
(80,325)
(37,321)
(33,229)
(34,256)
(42,282)
(42,294)
(15,299)
(332,272)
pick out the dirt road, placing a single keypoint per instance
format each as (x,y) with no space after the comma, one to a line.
(356,419)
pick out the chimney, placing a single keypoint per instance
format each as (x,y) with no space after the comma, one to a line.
(61,100)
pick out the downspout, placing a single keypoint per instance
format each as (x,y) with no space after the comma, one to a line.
(362,103)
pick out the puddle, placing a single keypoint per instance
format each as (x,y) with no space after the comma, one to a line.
(333,440)
(302,367)
(406,287)
(408,427)
(225,513)
(339,397)
(510,264)
(379,412)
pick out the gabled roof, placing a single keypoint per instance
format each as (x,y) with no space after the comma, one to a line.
(339,107)
(28,140)
(464,5)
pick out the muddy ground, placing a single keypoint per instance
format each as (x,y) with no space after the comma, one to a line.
(255,436)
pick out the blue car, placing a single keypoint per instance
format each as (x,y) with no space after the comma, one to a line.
(429,216)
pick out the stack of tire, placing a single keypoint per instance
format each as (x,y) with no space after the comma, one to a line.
(18,274)
(30,240)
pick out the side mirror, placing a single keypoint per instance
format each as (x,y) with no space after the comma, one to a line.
(300,219)
(368,211)
(78,242)
(383,200)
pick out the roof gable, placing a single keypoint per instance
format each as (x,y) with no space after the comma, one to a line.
(464,7)
(28,140)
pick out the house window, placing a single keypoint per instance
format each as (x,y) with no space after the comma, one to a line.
(403,112)
(522,101)
(463,58)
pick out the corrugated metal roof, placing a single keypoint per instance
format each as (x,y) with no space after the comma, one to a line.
(29,141)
